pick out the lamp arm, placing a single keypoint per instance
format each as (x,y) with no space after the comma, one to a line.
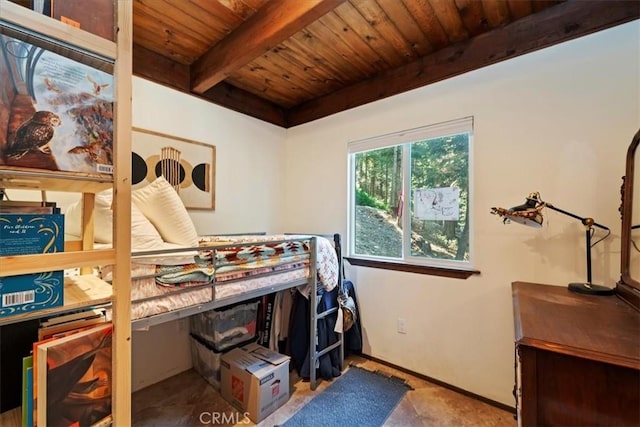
(588,222)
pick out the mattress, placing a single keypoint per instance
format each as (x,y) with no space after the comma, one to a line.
(326,259)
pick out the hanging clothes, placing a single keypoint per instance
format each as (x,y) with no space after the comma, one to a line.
(329,364)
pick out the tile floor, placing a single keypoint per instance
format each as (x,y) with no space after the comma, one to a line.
(427,404)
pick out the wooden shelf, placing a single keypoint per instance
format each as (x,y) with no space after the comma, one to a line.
(79,292)
(30,179)
(14,265)
(84,291)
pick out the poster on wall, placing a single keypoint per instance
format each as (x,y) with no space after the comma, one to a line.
(437,203)
(189,166)
(55,113)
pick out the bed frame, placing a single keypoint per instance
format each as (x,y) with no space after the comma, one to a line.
(311,280)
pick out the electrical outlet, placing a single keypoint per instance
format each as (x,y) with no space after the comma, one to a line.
(402,325)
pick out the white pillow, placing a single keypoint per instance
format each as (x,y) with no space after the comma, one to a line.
(160,203)
(143,234)
(102,215)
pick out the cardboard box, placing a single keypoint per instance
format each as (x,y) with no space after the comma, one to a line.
(255,380)
(22,234)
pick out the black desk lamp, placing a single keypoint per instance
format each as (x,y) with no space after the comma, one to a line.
(530,214)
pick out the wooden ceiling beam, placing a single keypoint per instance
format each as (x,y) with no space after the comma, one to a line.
(268,27)
(164,71)
(554,25)
(160,69)
(244,102)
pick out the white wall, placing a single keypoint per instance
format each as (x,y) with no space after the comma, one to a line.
(249,181)
(556,121)
(248,152)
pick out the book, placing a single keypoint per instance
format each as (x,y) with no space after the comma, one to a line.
(57,331)
(28,418)
(95,16)
(22,234)
(27,391)
(74,378)
(54,326)
(68,126)
(15,206)
(268,318)
(70,317)
(42,6)
(36,357)
(34,388)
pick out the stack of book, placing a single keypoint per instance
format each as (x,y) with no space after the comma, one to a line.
(26,228)
(67,378)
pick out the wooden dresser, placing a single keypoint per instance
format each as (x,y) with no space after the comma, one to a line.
(577,358)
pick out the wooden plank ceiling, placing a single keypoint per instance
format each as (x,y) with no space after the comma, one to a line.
(289,62)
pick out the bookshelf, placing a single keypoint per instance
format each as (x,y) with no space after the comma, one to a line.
(62,181)
(85,290)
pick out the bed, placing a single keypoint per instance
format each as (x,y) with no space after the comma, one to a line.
(176,273)
(178,282)
(223,270)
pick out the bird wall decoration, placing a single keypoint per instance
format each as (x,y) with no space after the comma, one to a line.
(36,133)
(97,87)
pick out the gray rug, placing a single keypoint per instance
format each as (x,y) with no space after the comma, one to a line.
(357,398)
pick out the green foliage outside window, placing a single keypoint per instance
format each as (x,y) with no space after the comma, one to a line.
(381,200)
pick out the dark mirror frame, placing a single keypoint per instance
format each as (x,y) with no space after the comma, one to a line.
(628,288)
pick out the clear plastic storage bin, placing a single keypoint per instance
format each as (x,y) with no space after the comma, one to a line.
(223,329)
(206,361)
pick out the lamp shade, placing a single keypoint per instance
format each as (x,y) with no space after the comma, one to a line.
(529,213)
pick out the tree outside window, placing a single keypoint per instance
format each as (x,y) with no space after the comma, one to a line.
(410,196)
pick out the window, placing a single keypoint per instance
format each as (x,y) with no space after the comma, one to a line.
(410,197)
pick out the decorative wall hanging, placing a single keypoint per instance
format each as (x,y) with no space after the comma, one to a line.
(188,165)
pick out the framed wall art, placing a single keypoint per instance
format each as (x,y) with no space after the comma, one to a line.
(189,166)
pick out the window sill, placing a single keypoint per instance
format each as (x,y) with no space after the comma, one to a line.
(412,268)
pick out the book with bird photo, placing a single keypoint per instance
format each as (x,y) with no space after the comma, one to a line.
(74,378)
(56,112)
